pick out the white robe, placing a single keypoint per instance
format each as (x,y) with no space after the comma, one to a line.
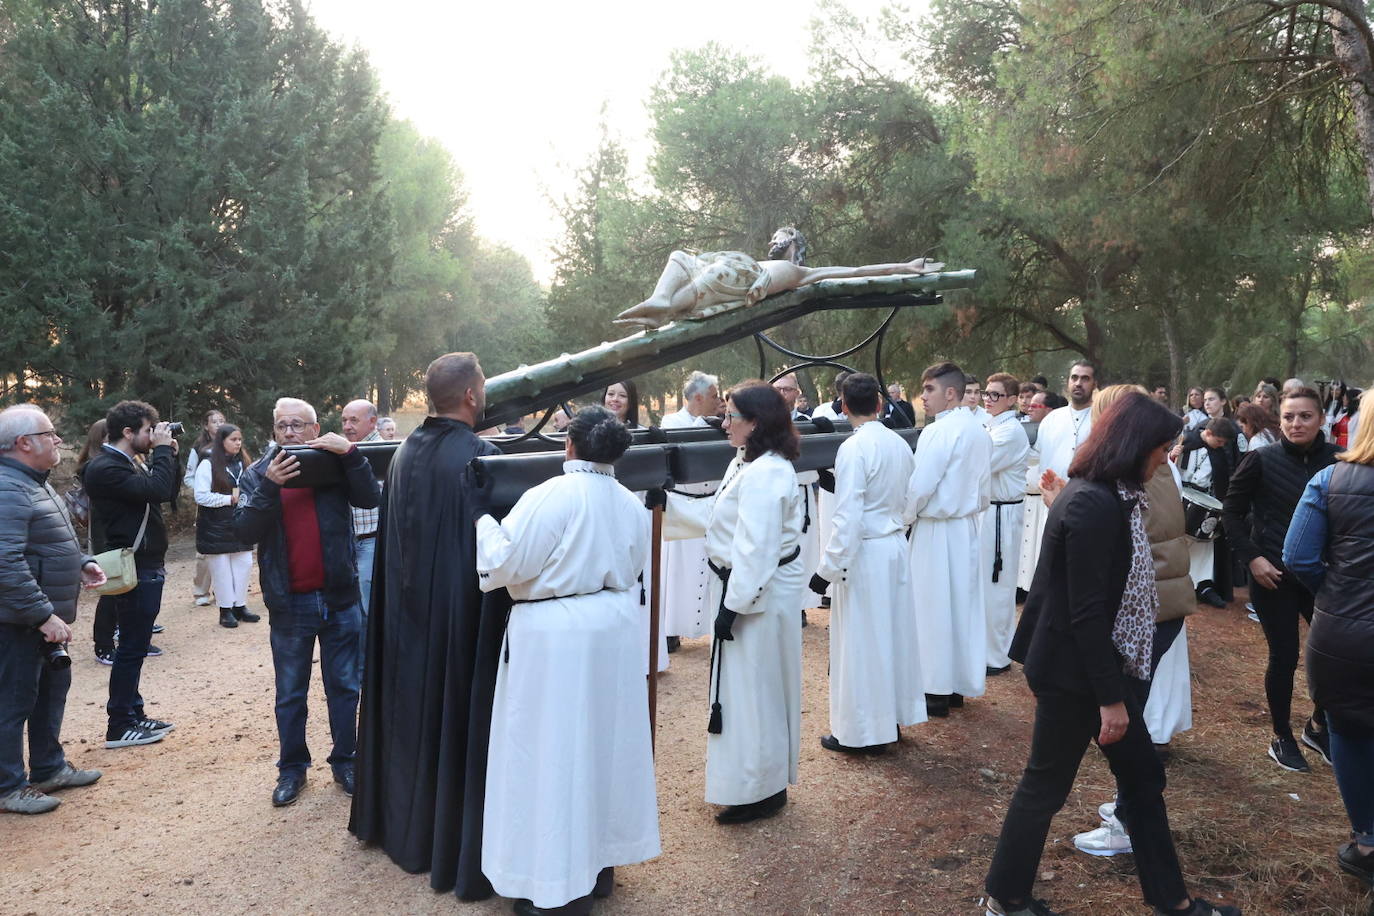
(570,770)
(1060,435)
(809,494)
(947,493)
(875,666)
(686,579)
(754,521)
(1010,448)
(1034,525)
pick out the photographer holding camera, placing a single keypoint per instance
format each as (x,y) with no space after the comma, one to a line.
(42,570)
(126,498)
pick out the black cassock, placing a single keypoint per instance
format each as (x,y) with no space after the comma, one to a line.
(433,642)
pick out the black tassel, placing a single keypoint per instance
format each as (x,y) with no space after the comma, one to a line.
(642,594)
(714,727)
(996,569)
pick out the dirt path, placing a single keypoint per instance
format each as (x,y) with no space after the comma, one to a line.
(187,825)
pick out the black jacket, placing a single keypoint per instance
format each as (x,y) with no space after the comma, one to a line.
(40,558)
(1064,638)
(215,528)
(1267,487)
(119,492)
(257,520)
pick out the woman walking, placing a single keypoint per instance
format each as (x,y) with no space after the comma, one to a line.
(1086,640)
(1327,548)
(200,451)
(217,492)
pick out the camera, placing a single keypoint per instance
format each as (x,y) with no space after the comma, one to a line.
(55,655)
(175,429)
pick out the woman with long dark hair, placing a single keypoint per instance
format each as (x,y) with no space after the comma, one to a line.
(104,624)
(1326,547)
(217,492)
(1347,419)
(1086,640)
(622,399)
(753,539)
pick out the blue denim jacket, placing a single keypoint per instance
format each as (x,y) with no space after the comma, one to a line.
(1304,547)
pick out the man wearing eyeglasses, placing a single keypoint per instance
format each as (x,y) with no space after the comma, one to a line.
(42,569)
(309,578)
(127,497)
(1003,520)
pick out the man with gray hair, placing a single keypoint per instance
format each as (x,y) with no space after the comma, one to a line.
(42,569)
(360,425)
(310,586)
(686,576)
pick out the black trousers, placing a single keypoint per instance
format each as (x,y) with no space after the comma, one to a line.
(1278,610)
(1064,724)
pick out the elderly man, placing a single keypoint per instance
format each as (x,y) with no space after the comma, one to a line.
(310,586)
(899,406)
(360,425)
(686,576)
(386,428)
(41,571)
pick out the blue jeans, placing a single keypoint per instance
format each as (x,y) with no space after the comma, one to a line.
(30,693)
(366,555)
(136,612)
(294,630)
(1352,757)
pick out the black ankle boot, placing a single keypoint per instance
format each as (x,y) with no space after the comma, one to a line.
(605,882)
(227,618)
(242,613)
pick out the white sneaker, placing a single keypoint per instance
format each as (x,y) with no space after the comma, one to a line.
(1107,811)
(1108,840)
(202,600)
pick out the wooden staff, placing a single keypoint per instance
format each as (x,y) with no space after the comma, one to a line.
(656,545)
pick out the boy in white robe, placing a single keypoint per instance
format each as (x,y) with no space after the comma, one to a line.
(875,670)
(946,495)
(1002,521)
(570,774)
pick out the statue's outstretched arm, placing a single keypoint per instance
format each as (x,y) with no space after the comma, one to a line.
(914,266)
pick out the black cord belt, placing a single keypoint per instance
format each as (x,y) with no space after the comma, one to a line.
(997,541)
(505,654)
(723,572)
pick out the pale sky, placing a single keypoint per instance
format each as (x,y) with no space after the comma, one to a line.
(514,89)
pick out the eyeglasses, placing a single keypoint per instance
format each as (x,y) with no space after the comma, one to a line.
(290,426)
(731,415)
(993,396)
(41,432)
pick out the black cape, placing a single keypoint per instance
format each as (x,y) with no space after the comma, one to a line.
(433,642)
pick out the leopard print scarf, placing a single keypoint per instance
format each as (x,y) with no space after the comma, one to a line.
(1133,633)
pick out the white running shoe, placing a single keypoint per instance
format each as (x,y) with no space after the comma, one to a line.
(1107,811)
(1110,839)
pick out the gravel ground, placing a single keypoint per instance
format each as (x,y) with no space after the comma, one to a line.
(187,825)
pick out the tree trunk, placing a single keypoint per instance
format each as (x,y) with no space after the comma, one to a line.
(1166,321)
(383,394)
(1352,47)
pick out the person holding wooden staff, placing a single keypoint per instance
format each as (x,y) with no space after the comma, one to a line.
(570,773)
(753,536)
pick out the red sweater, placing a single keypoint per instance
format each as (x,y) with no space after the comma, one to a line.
(304,555)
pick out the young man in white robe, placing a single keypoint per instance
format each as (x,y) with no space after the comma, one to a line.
(1062,432)
(570,774)
(686,577)
(753,537)
(948,490)
(1002,521)
(875,668)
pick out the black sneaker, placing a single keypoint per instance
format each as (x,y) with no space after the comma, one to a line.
(105,656)
(153,651)
(1285,753)
(1202,907)
(155,725)
(1354,862)
(1319,741)
(132,735)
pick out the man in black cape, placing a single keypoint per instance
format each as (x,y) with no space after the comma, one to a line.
(433,642)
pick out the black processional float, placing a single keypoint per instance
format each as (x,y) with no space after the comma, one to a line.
(662,459)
